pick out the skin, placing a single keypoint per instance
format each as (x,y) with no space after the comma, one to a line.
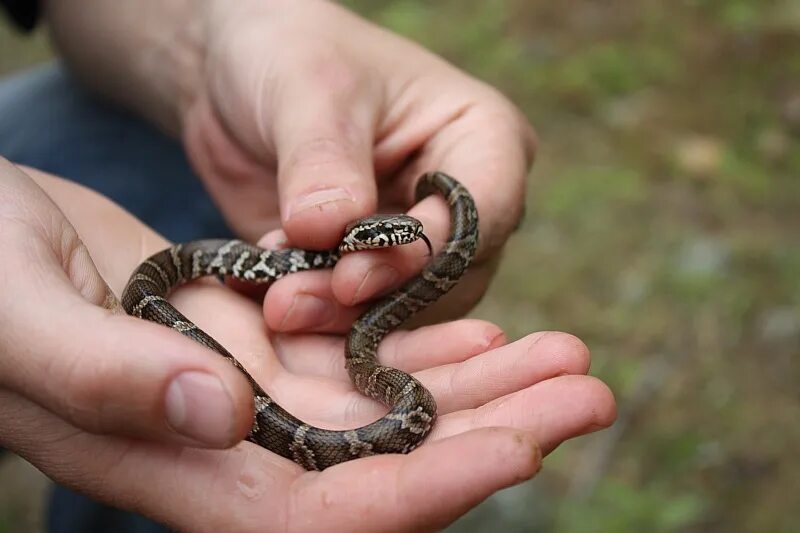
(300,117)
(101,416)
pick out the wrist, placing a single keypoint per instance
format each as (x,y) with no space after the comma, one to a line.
(170,67)
(152,66)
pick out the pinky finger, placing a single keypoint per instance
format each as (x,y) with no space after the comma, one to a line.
(432,481)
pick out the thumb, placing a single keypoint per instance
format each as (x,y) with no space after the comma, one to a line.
(323,141)
(103,372)
(106,372)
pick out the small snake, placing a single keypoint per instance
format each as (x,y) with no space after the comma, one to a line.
(412,407)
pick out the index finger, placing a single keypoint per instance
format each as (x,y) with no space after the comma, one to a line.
(489,149)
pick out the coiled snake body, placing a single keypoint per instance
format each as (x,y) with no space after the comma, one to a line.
(412,407)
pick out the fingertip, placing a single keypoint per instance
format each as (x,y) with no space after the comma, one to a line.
(240,391)
(486,335)
(458,472)
(514,455)
(604,414)
(273,240)
(320,227)
(162,387)
(498,458)
(523,453)
(360,276)
(316,218)
(434,215)
(585,405)
(428,347)
(203,401)
(211,409)
(566,352)
(305,302)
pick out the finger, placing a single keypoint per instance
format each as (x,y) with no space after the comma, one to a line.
(489,149)
(308,301)
(305,302)
(495,458)
(161,386)
(465,373)
(242,185)
(188,489)
(244,488)
(505,370)
(274,240)
(323,140)
(312,301)
(363,276)
(105,372)
(554,410)
(410,351)
(334,403)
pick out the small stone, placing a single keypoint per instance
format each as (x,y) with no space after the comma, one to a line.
(700,156)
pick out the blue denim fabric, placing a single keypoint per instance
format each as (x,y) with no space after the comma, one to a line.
(48,122)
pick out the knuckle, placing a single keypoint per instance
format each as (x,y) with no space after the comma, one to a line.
(323,66)
(338,77)
(318,151)
(84,394)
(506,112)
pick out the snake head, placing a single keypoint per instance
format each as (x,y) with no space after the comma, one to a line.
(382,231)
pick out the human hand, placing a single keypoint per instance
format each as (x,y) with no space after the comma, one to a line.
(311,117)
(83,390)
(298,114)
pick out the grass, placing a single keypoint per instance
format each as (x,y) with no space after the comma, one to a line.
(663,218)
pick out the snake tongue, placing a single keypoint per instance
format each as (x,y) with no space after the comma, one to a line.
(428,242)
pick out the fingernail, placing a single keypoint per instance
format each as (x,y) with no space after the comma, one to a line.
(496,341)
(378,279)
(318,199)
(274,240)
(307,311)
(199,406)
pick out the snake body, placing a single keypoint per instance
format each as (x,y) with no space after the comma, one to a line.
(412,409)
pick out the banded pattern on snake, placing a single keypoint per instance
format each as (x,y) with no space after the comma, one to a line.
(412,407)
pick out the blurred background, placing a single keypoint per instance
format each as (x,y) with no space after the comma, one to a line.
(663,229)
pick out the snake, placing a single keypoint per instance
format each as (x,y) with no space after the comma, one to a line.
(411,407)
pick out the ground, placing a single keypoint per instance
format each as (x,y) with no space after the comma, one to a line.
(662,229)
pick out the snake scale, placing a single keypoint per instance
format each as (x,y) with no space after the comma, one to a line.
(412,409)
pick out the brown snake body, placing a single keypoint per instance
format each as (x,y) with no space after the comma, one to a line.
(412,407)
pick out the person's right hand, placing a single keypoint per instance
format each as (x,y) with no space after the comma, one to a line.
(116,407)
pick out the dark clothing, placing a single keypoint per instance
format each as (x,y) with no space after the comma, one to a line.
(24,13)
